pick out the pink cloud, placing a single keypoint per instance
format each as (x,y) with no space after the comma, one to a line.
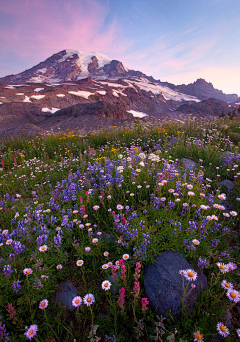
(43,27)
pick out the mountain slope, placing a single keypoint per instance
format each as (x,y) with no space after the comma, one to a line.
(203,90)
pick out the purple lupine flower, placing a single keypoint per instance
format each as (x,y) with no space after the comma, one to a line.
(16,285)
(7,270)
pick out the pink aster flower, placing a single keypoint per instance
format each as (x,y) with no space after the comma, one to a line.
(31,332)
(119,207)
(89,299)
(43,248)
(233,295)
(222,329)
(77,301)
(226,285)
(43,304)
(231,266)
(27,271)
(223,268)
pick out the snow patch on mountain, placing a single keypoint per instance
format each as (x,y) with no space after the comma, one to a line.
(114,85)
(37,97)
(167,93)
(115,93)
(81,93)
(137,114)
(101,92)
(52,110)
(27,99)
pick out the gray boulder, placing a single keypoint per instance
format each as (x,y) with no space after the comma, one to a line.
(225,155)
(188,164)
(163,284)
(65,294)
(229,185)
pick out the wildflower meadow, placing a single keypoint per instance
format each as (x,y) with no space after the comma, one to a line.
(94,210)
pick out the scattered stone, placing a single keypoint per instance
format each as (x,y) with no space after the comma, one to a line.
(188,164)
(65,294)
(225,155)
(217,338)
(114,289)
(163,284)
(229,185)
(228,319)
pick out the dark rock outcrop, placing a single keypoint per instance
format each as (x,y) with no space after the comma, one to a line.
(163,284)
(100,109)
(65,294)
(188,164)
(210,107)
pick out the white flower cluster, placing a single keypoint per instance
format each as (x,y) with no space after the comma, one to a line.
(153,157)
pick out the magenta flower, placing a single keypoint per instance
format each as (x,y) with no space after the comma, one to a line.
(145,302)
(121,299)
(136,287)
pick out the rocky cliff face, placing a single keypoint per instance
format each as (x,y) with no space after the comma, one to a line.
(203,90)
(210,107)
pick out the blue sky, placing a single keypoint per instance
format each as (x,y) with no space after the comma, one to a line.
(172,40)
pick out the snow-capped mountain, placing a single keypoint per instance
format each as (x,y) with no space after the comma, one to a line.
(72,65)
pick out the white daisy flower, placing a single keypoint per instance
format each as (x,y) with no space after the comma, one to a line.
(190,275)
(106,285)
(79,262)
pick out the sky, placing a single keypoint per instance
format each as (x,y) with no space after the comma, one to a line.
(177,41)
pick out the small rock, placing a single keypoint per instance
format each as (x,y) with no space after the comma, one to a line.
(65,294)
(217,338)
(228,319)
(114,289)
(163,284)
(229,185)
(225,155)
(188,164)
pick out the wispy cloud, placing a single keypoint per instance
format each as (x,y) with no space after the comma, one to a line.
(48,27)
